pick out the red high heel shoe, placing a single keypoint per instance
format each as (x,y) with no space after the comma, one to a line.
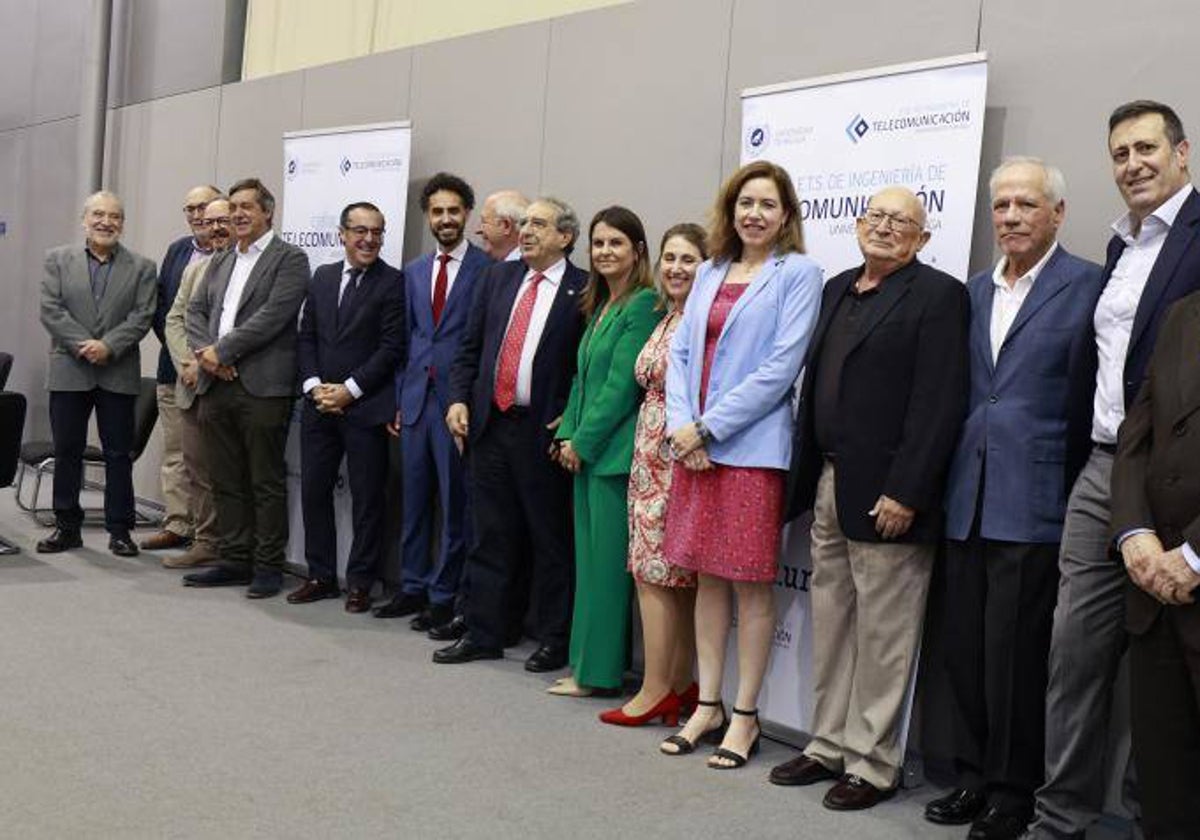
(666,708)
(688,698)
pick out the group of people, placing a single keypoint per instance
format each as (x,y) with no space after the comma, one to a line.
(574,437)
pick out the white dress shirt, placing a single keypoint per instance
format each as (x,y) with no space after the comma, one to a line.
(452,266)
(1007,302)
(514,254)
(546,291)
(1117,307)
(351,385)
(242,266)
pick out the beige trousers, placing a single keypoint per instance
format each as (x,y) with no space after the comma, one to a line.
(203,511)
(868,606)
(176,483)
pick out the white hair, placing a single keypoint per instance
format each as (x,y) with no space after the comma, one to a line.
(1054,185)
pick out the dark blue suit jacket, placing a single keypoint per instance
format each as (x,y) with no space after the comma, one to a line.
(472,377)
(1014,445)
(367,347)
(179,253)
(432,347)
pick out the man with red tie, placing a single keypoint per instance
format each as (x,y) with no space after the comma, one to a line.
(440,289)
(508,386)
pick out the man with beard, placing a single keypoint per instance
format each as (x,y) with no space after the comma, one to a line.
(203,550)
(440,288)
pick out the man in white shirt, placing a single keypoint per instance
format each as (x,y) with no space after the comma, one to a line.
(1006,497)
(1153,260)
(242,328)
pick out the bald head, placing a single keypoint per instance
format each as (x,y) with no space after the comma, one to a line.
(891,231)
(194,202)
(499,222)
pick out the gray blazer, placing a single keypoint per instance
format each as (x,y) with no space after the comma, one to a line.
(175,328)
(71,315)
(262,343)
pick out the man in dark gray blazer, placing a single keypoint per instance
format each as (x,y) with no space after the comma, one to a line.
(97,303)
(242,327)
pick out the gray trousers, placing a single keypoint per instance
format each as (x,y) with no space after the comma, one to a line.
(1085,650)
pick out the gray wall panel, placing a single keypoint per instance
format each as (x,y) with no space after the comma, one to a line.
(365,90)
(169,47)
(16,63)
(640,123)
(58,58)
(254,116)
(477,110)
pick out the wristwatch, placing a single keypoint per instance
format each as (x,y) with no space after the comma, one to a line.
(706,437)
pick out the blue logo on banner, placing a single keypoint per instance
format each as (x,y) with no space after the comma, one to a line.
(292,167)
(345,167)
(758,137)
(857,128)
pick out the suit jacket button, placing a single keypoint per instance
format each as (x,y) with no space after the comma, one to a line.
(1180,428)
(1172,480)
(993,399)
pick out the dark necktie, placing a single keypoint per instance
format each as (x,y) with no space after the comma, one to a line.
(439,289)
(348,295)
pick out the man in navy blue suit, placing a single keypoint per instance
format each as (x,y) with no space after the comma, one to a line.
(508,388)
(178,486)
(351,340)
(440,288)
(1006,497)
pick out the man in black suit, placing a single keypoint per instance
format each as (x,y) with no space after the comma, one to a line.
(241,326)
(885,391)
(351,340)
(1153,261)
(178,487)
(508,387)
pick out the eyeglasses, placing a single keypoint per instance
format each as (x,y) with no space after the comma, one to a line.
(223,221)
(192,209)
(873,218)
(361,230)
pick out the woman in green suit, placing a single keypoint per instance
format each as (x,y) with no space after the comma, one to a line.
(595,442)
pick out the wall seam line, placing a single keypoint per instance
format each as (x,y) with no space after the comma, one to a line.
(725,99)
(545,109)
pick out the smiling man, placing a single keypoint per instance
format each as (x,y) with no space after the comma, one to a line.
(1153,260)
(241,327)
(1017,456)
(97,303)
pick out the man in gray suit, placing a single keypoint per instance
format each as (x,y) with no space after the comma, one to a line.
(241,326)
(97,303)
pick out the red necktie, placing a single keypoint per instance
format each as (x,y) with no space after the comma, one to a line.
(514,340)
(439,289)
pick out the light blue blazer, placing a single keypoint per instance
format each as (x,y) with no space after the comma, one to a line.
(758,358)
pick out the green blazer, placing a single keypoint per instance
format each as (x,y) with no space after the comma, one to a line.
(601,413)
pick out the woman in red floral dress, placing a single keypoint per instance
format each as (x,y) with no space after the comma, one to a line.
(666,593)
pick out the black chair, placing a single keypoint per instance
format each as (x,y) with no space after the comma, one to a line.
(38,456)
(12,426)
(5,368)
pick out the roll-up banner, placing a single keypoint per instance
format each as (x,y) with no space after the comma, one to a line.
(843,138)
(324,170)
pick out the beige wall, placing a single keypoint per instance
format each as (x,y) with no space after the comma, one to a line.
(286,35)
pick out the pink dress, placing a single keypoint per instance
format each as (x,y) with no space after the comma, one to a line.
(650,473)
(726,521)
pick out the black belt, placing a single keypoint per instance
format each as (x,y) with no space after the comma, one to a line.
(515,412)
(1107,448)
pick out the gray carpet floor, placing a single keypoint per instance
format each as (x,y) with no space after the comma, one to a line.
(131,706)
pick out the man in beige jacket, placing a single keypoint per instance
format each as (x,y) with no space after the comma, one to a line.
(204,545)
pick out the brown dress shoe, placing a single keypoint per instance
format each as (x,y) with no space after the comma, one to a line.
(801,770)
(314,590)
(358,601)
(162,540)
(855,793)
(197,555)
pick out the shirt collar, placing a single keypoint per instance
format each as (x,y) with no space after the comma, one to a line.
(1165,214)
(514,254)
(347,267)
(553,274)
(460,251)
(1031,274)
(196,247)
(258,245)
(112,253)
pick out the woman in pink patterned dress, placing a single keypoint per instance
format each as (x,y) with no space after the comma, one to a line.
(666,594)
(734,361)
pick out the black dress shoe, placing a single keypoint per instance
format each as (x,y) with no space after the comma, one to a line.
(266,584)
(453,629)
(400,606)
(314,590)
(997,824)
(958,807)
(122,545)
(219,576)
(801,770)
(61,540)
(434,615)
(465,650)
(854,793)
(547,658)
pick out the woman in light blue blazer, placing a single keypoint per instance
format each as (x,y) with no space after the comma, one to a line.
(734,361)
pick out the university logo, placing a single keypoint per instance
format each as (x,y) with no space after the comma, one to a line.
(758,138)
(345,166)
(293,166)
(857,128)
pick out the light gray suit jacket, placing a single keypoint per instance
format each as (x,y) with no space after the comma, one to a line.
(71,315)
(262,343)
(175,329)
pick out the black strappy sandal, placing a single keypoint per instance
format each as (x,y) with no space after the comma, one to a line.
(730,755)
(712,736)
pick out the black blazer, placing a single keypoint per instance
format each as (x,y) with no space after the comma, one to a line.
(368,347)
(472,378)
(901,402)
(176,260)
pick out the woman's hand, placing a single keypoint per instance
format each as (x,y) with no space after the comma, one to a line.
(567,458)
(685,440)
(697,460)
